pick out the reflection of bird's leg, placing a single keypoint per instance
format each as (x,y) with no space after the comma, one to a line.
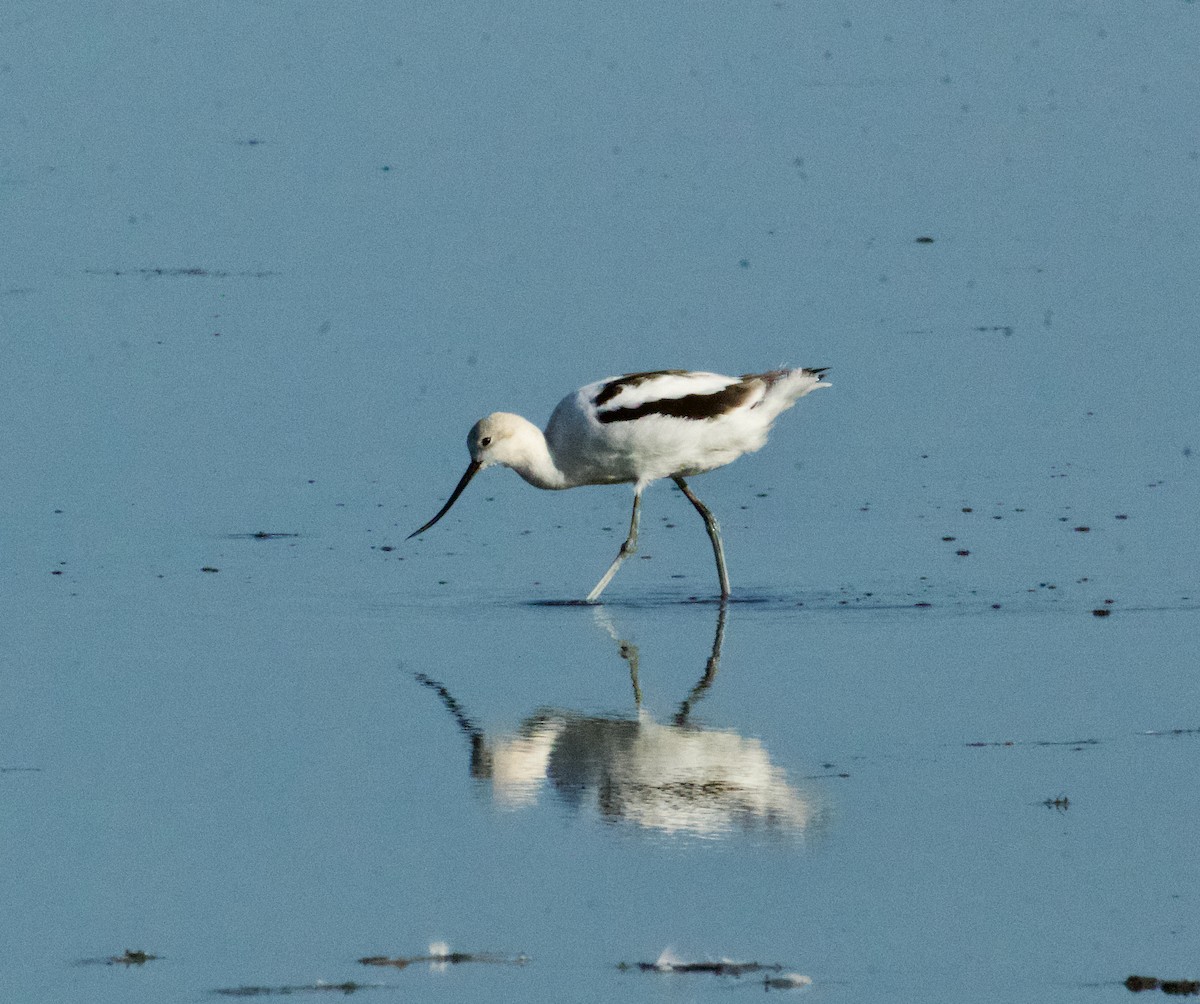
(449,701)
(714,534)
(710,670)
(480,756)
(629,652)
(628,548)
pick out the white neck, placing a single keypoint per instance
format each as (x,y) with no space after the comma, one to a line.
(529,455)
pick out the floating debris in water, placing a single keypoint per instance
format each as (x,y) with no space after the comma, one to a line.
(668,963)
(262,535)
(1181,988)
(320,986)
(151,273)
(132,957)
(440,955)
(788,981)
(1074,743)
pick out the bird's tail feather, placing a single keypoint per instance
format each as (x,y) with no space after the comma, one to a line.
(786,387)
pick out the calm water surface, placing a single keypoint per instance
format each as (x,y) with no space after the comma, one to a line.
(265,266)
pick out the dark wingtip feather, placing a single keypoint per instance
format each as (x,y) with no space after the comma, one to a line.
(774,376)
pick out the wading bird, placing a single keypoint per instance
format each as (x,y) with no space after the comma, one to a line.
(639,428)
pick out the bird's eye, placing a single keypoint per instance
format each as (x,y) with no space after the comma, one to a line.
(486,441)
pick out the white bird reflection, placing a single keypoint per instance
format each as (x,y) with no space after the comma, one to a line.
(677,778)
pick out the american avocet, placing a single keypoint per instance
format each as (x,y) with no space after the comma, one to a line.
(639,428)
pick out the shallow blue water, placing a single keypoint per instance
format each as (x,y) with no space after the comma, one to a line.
(264,267)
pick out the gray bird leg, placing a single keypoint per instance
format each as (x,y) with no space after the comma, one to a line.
(628,548)
(714,534)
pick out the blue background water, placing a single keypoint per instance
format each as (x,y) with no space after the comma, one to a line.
(264,265)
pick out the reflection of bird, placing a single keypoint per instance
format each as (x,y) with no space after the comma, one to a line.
(676,779)
(706,782)
(639,428)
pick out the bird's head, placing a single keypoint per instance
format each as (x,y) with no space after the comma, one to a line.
(496,439)
(500,438)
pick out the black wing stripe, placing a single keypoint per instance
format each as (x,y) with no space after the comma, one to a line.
(614,387)
(692,406)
